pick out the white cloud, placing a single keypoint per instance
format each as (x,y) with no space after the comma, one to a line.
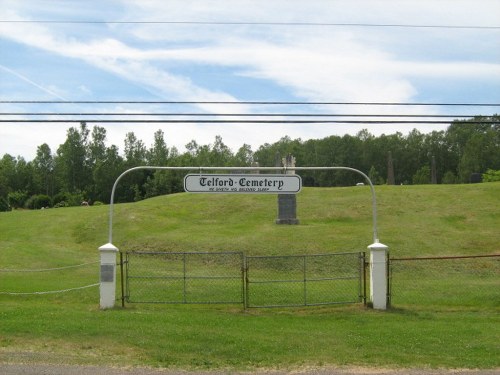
(313,63)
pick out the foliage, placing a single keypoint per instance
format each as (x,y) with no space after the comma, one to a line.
(449,178)
(4,205)
(85,168)
(17,199)
(65,199)
(36,202)
(375,177)
(491,176)
(423,176)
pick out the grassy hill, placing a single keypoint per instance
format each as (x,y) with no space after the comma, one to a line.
(413,221)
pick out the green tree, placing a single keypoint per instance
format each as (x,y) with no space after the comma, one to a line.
(157,181)
(71,163)
(135,151)
(475,145)
(106,172)
(7,175)
(158,153)
(135,155)
(243,157)
(15,175)
(44,168)
(220,154)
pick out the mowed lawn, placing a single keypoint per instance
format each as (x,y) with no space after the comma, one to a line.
(69,327)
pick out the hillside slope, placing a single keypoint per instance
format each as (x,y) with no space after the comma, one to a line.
(412,221)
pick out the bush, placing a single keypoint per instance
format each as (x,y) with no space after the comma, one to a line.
(69,199)
(17,199)
(61,204)
(449,178)
(491,176)
(4,205)
(422,176)
(36,202)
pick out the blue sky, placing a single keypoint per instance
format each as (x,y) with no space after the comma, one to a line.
(255,50)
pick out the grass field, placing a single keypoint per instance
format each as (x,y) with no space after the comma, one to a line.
(413,221)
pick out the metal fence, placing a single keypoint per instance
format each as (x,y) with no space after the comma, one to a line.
(232,278)
(460,281)
(305,280)
(197,278)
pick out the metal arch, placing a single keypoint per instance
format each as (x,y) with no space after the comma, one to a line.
(284,169)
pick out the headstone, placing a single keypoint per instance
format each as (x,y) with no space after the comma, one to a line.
(287,203)
(476,178)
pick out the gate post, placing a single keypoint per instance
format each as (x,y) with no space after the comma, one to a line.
(107,286)
(378,275)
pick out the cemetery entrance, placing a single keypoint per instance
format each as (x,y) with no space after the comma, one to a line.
(232,277)
(253,281)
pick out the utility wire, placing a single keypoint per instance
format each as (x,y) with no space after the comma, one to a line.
(242,23)
(245,102)
(284,121)
(170,114)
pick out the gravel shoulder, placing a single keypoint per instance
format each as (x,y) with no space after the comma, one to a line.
(50,369)
(34,363)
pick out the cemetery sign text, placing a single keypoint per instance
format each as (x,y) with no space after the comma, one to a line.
(243,183)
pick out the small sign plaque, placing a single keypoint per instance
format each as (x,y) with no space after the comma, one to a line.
(243,183)
(107,273)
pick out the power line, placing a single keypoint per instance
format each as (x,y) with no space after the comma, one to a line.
(243,23)
(283,121)
(244,102)
(170,114)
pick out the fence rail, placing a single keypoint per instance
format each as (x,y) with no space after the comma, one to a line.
(452,281)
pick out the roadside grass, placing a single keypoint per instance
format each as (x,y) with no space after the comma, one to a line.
(227,337)
(413,221)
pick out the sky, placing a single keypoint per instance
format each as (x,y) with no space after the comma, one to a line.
(307,51)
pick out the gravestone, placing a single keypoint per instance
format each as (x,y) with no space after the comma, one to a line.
(476,178)
(287,203)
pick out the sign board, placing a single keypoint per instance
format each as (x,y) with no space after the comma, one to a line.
(243,183)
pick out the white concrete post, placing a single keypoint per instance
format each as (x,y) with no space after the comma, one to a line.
(107,286)
(378,275)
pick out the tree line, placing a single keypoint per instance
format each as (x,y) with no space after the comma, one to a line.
(84,168)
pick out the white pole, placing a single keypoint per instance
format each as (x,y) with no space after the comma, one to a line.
(107,286)
(378,275)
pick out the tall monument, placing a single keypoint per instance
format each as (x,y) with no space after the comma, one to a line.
(287,203)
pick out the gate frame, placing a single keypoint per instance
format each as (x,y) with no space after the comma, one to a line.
(378,251)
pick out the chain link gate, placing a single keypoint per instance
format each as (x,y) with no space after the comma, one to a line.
(232,278)
(183,278)
(305,280)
